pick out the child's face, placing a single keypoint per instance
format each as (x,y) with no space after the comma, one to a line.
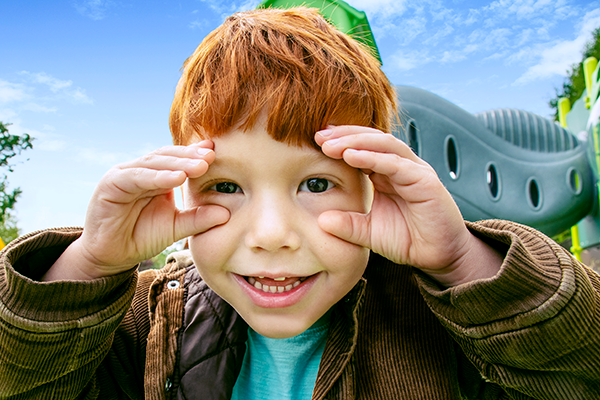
(275,194)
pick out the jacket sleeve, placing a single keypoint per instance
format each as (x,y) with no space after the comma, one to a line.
(55,337)
(534,328)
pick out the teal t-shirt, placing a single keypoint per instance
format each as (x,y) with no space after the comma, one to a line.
(283,369)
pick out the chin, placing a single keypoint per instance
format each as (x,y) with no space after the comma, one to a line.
(281,327)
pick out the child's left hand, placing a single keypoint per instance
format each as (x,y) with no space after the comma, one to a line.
(413,219)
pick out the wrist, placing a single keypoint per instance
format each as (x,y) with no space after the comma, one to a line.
(478,261)
(76,264)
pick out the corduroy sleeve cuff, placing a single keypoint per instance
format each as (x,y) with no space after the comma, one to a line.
(22,297)
(535,282)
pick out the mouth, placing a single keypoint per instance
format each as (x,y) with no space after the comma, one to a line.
(276,292)
(275,285)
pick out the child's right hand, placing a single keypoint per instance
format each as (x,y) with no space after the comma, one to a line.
(132,214)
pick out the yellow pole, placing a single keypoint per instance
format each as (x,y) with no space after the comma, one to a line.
(564,106)
(589,66)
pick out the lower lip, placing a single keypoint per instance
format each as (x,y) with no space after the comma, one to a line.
(276,300)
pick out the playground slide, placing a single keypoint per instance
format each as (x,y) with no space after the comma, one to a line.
(507,164)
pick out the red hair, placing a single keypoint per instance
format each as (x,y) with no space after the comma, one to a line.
(289,64)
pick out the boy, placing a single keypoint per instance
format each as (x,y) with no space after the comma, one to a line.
(302,217)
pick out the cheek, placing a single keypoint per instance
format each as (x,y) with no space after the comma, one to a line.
(345,261)
(210,251)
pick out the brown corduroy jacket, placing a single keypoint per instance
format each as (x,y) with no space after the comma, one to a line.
(532,332)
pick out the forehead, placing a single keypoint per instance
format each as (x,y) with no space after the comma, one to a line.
(253,157)
(257,144)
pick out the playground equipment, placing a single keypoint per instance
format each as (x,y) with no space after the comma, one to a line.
(583,119)
(505,163)
(343,16)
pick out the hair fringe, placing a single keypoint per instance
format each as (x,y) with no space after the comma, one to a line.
(289,64)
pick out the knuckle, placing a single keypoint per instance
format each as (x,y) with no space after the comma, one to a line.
(137,172)
(162,150)
(147,158)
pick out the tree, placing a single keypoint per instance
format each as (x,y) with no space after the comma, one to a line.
(10,146)
(574,83)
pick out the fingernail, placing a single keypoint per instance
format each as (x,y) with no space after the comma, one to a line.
(202,151)
(326,132)
(332,142)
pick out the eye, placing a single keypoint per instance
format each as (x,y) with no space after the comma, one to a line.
(226,187)
(315,185)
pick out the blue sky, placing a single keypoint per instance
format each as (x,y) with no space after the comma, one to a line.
(93,80)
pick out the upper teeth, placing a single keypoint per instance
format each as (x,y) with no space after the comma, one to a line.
(283,278)
(273,289)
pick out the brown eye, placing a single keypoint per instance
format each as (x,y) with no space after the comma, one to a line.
(226,187)
(315,185)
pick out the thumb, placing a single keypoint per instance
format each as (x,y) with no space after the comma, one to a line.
(193,221)
(350,226)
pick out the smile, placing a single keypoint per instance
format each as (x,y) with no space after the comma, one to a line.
(276,292)
(276,285)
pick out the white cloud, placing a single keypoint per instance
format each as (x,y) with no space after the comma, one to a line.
(380,7)
(93,9)
(45,138)
(556,58)
(496,56)
(525,36)
(473,17)
(12,92)
(50,145)
(521,9)
(524,56)
(591,21)
(78,95)
(248,5)
(198,24)
(411,28)
(449,57)
(490,38)
(228,8)
(444,32)
(402,61)
(61,89)
(53,83)
(7,115)
(38,93)
(39,108)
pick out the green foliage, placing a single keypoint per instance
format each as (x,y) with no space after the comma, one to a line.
(574,83)
(10,146)
(159,260)
(9,229)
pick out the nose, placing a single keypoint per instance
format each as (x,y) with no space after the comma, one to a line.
(272,226)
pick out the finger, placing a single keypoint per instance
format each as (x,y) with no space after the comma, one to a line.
(194,221)
(191,151)
(126,185)
(352,227)
(376,142)
(401,172)
(193,161)
(333,132)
